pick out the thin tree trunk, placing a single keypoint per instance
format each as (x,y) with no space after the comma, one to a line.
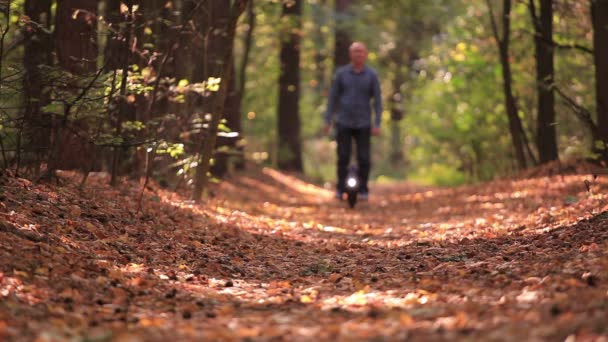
(290,150)
(546,133)
(240,160)
(503,43)
(321,52)
(599,15)
(232,115)
(397,99)
(123,108)
(397,112)
(248,43)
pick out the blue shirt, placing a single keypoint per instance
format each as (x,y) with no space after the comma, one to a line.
(350,98)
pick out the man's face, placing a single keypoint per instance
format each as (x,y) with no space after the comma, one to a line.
(358,54)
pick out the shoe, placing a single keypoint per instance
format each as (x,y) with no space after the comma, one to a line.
(364,196)
(339,195)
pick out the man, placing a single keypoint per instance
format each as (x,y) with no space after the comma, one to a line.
(353,88)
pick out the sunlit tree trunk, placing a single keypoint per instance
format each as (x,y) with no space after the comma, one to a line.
(290,150)
(217,45)
(546,135)
(226,145)
(219,58)
(248,44)
(230,150)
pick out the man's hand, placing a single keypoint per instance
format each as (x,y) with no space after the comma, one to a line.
(376,131)
(326,129)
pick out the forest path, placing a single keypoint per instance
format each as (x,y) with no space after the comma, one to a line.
(274,258)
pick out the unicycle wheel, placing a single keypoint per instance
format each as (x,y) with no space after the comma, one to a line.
(352,199)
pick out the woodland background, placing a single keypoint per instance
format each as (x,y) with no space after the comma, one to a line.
(183,91)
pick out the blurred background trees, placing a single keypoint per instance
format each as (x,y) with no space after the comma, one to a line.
(185,91)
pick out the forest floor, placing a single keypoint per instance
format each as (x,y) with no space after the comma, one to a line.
(272,258)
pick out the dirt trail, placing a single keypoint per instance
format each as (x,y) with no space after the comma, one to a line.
(272,258)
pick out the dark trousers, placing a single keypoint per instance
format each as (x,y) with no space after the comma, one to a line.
(345,137)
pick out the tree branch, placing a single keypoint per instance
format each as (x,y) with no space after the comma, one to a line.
(581,112)
(493,24)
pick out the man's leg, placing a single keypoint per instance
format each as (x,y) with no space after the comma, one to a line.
(363,140)
(344,140)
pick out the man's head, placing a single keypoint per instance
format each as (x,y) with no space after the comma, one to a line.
(358,54)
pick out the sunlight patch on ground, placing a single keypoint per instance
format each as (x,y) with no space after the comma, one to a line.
(297,184)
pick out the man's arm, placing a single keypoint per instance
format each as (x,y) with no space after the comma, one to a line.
(377,101)
(334,93)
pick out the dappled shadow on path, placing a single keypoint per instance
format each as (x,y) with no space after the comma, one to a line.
(273,258)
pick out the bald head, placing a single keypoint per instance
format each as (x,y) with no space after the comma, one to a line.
(358,54)
(357,46)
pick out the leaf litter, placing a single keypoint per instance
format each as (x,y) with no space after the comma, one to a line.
(273,258)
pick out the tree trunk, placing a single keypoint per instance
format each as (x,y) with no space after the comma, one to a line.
(76,50)
(230,149)
(343,39)
(511,106)
(546,133)
(599,15)
(248,43)
(116,44)
(217,46)
(221,37)
(37,53)
(226,145)
(321,55)
(76,35)
(401,67)
(124,108)
(503,43)
(397,112)
(290,150)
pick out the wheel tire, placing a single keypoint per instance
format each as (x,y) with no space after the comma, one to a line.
(352,199)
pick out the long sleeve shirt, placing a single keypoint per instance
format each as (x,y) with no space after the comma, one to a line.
(351,96)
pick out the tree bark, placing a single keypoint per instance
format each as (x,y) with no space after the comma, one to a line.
(124,108)
(218,44)
(229,148)
(115,45)
(503,43)
(343,39)
(37,53)
(251,20)
(546,133)
(321,55)
(76,50)
(599,15)
(226,145)
(76,35)
(290,150)
(219,67)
